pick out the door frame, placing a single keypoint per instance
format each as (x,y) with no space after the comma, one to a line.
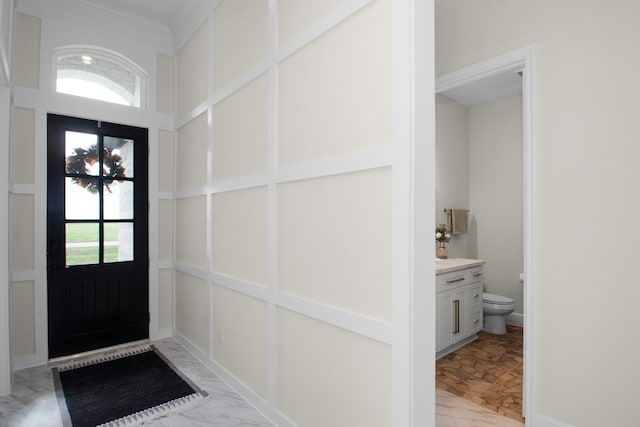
(522,59)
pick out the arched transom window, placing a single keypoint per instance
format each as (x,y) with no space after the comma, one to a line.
(101,75)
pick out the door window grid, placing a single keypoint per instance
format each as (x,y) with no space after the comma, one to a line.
(99,199)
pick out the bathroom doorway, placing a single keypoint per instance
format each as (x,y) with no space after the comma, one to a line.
(500,84)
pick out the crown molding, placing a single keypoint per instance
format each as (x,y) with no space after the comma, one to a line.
(126,15)
(47,5)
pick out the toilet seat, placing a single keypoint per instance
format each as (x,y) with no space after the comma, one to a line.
(496,299)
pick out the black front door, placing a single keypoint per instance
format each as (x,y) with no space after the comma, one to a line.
(97,234)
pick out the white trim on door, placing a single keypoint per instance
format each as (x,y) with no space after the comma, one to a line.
(413,346)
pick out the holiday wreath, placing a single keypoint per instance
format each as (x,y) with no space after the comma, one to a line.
(78,162)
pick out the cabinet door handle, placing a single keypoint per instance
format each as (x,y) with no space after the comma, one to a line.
(476,320)
(460,279)
(456,318)
(477,274)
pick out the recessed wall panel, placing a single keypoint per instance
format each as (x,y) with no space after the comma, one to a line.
(165,299)
(22,162)
(328,376)
(165,229)
(240,38)
(192,154)
(191,231)
(23,318)
(240,234)
(334,95)
(164,92)
(240,337)
(165,161)
(334,241)
(27,51)
(295,16)
(22,233)
(240,132)
(192,309)
(193,66)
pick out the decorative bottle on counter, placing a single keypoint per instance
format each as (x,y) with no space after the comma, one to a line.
(442,252)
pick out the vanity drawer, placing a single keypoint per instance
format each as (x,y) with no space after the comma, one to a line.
(451,280)
(476,274)
(474,296)
(475,321)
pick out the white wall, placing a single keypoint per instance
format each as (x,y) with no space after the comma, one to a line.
(274,244)
(452,169)
(41,27)
(587,159)
(496,197)
(356,63)
(290,201)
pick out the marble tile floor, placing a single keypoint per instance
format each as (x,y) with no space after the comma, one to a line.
(33,404)
(487,372)
(454,411)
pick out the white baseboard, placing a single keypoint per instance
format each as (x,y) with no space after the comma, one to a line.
(544,421)
(161,334)
(269,412)
(29,361)
(515,319)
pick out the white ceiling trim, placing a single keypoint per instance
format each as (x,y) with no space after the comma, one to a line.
(126,14)
(180,17)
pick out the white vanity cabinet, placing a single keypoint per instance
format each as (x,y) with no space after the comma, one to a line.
(458,307)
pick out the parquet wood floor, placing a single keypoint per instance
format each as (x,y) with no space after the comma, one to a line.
(487,371)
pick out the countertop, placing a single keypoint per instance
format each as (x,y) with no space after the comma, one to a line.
(454,264)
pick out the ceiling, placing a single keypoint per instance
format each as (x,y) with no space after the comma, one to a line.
(166,13)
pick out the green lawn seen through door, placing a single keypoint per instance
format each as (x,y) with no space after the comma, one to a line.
(86,233)
(83,232)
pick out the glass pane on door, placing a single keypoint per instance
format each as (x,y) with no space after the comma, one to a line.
(82,243)
(81,153)
(81,200)
(118,241)
(118,200)
(118,158)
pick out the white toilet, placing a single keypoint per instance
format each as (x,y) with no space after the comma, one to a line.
(495,309)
